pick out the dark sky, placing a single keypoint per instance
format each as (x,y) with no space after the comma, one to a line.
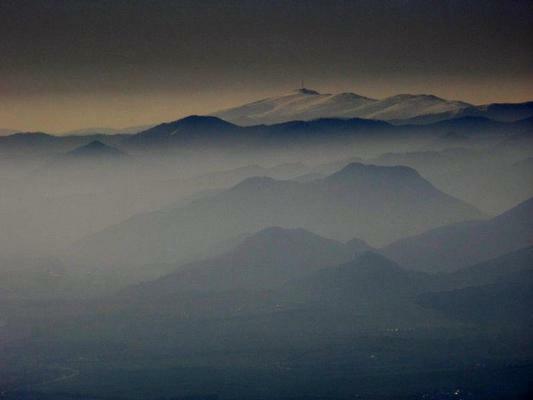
(68,64)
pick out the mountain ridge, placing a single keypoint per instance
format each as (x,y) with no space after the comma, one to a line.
(450,247)
(308,104)
(351,205)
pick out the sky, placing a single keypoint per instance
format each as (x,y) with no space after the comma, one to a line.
(72,64)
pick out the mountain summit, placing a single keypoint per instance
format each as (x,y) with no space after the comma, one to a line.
(300,104)
(308,104)
(192,128)
(95,149)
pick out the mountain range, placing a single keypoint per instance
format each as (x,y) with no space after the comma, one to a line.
(451,247)
(265,260)
(306,104)
(376,204)
(212,132)
(277,270)
(317,281)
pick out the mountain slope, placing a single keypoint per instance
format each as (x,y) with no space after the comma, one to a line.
(377,204)
(306,104)
(93,157)
(505,112)
(301,104)
(264,260)
(370,290)
(192,129)
(406,106)
(509,267)
(451,247)
(368,276)
(503,305)
(95,149)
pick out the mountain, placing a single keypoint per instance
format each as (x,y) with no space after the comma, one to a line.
(368,276)
(93,155)
(307,104)
(370,291)
(377,204)
(451,247)
(279,273)
(301,104)
(489,178)
(264,260)
(95,149)
(502,305)
(210,131)
(192,129)
(407,106)
(497,292)
(505,112)
(207,131)
(510,267)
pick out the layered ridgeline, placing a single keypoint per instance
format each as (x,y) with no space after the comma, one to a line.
(316,280)
(210,131)
(496,292)
(451,247)
(267,259)
(306,104)
(279,282)
(278,270)
(194,133)
(376,204)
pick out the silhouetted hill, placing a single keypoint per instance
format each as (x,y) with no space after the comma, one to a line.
(89,157)
(369,277)
(484,292)
(209,132)
(325,125)
(451,247)
(505,112)
(193,129)
(95,149)
(509,267)
(264,260)
(503,305)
